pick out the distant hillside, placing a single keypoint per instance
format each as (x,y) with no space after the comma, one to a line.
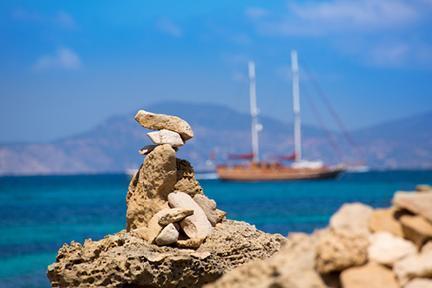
(113,145)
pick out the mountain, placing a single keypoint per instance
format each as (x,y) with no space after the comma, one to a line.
(112,146)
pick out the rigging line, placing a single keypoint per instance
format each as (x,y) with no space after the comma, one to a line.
(323,126)
(336,117)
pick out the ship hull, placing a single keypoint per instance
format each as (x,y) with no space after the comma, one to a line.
(250,173)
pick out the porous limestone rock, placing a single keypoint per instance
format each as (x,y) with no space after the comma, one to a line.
(155,121)
(345,243)
(352,219)
(193,243)
(167,236)
(385,220)
(122,260)
(150,186)
(174,215)
(336,252)
(418,203)
(195,225)
(166,137)
(209,207)
(386,248)
(291,267)
(419,283)
(371,275)
(424,188)
(186,181)
(417,229)
(416,266)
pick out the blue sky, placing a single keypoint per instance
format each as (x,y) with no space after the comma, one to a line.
(68,65)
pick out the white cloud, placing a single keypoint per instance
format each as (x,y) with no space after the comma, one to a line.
(342,16)
(63,58)
(168,27)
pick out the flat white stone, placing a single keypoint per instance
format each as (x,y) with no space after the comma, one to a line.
(166,137)
(387,249)
(195,226)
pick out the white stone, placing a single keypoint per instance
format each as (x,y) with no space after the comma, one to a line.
(417,266)
(195,226)
(352,219)
(387,249)
(168,235)
(166,137)
(419,283)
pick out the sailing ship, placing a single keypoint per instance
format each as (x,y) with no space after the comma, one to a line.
(257,170)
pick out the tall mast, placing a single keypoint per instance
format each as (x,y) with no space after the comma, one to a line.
(255,126)
(296,105)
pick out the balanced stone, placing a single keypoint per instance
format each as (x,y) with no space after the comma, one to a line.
(196,225)
(174,215)
(166,137)
(417,229)
(386,249)
(209,207)
(418,203)
(147,149)
(167,236)
(419,283)
(193,243)
(154,121)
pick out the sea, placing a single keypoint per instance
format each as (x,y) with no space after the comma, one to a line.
(38,214)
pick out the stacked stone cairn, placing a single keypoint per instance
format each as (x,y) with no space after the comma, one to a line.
(166,205)
(362,247)
(175,236)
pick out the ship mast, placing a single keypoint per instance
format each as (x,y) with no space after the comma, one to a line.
(296,106)
(255,126)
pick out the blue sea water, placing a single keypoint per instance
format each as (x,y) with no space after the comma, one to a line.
(39,214)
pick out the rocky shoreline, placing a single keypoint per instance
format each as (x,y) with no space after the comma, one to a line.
(177,237)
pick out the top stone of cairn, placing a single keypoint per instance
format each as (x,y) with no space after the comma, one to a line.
(155,121)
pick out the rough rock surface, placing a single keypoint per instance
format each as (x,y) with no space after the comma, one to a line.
(336,252)
(417,229)
(155,121)
(371,275)
(195,225)
(186,180)
(386,248)
(385,220)
(352,219)
(345,243)
(291,267)
(149,188)
(166,137)
(416,266)
(122,260)
(418,203)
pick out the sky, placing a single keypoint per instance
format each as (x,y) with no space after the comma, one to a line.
(66,66)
